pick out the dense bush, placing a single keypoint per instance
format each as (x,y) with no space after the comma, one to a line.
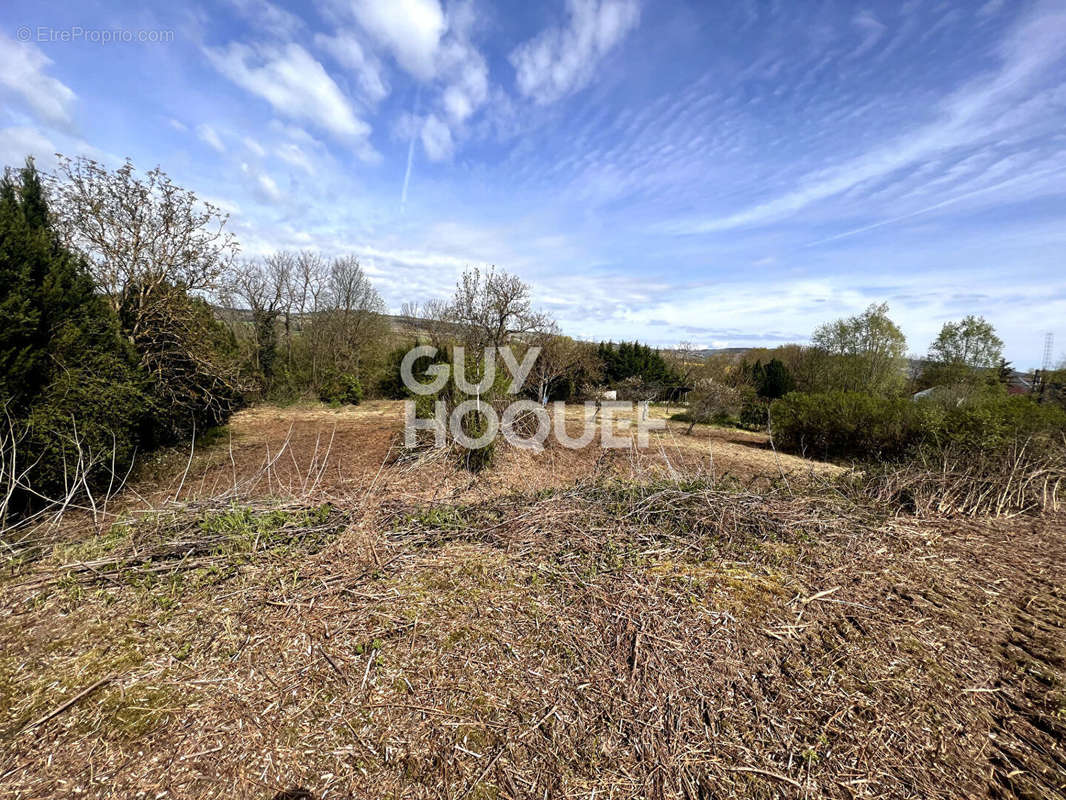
(190,359)
(391,384)
(754,410)
(988,420)
(343,388)
(76,405)
(475,422)
(771,380)
(854,425)
(843,424)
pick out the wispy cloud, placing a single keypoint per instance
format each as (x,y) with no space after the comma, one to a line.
(293,82)
(22,76)
(210,136)
(18,142)
(971,114)
(268,17)
(436,138)
(349,52)
(918,144)
(407,173)
(561,60)
(871,28)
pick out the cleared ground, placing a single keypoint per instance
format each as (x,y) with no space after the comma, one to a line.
(324,615)
(337,454)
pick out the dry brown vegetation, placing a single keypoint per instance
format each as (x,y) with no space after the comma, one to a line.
(301,607)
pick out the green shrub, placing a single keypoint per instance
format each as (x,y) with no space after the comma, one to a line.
(70,388)
(854,425)
(843,424)
(987,421)
(754,410)
(343,389)
(91,417)
(391,383)
(474,425)
(425,406)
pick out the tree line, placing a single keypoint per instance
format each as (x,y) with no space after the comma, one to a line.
(865,354)
(134,322)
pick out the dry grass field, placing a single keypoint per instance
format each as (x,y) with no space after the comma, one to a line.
(301,609)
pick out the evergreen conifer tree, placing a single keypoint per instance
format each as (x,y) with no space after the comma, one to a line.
(68,382)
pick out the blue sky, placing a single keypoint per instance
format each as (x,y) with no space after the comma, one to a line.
(730,174)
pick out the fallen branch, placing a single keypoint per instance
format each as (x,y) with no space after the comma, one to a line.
(56,712)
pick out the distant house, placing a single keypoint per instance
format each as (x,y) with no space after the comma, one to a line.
(1019,383)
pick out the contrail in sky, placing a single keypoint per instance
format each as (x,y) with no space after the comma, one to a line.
(410,158)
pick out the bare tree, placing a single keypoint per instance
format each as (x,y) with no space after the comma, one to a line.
(348,322)
(141,236)
(307,290)
(280,268)
(686,360)
(310,280)
(491,307)
(710,400)
(261,288)
(560,356)
(433,319)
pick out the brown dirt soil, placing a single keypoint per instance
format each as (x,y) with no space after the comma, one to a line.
(571,624)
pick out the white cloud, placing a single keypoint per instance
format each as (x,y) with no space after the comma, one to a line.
(350,54)
(210,136)
(268,187)
(460,66)
(292,154)
(410,29)
(872,30)
(266,16)
(17,143)
(562,60)
(430,43)
(436,139)
(292,82)
(265,186)
(254,146)
(289,152)
(991,8)
(469,80)
(22,74)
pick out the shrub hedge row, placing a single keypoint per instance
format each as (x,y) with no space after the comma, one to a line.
(854,425)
